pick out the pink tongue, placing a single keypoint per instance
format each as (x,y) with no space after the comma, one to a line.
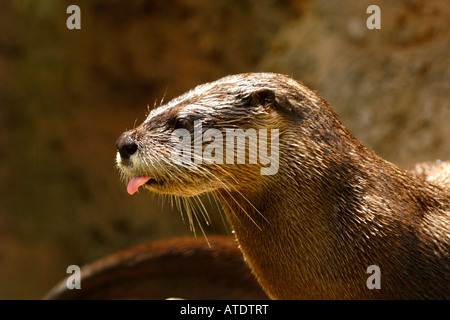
(135,183)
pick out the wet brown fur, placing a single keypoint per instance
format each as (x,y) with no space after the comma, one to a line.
(334,207)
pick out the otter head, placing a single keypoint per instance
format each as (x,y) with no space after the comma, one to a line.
(218,136)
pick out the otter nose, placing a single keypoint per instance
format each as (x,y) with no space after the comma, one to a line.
(126,146)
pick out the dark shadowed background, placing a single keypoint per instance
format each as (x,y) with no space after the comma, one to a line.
(66,95)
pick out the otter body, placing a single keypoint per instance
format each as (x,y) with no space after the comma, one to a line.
(333,208)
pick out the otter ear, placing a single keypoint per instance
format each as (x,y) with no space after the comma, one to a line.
(264,97)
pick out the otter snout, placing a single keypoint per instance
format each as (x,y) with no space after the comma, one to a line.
(126,145)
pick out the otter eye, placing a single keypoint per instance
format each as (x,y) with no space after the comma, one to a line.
(183,124)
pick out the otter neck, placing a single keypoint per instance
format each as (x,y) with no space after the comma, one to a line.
(314,217)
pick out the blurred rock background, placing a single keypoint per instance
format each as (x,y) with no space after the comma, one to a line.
(66,95)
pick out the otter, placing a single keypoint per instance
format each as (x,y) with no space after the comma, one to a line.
(312,229)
